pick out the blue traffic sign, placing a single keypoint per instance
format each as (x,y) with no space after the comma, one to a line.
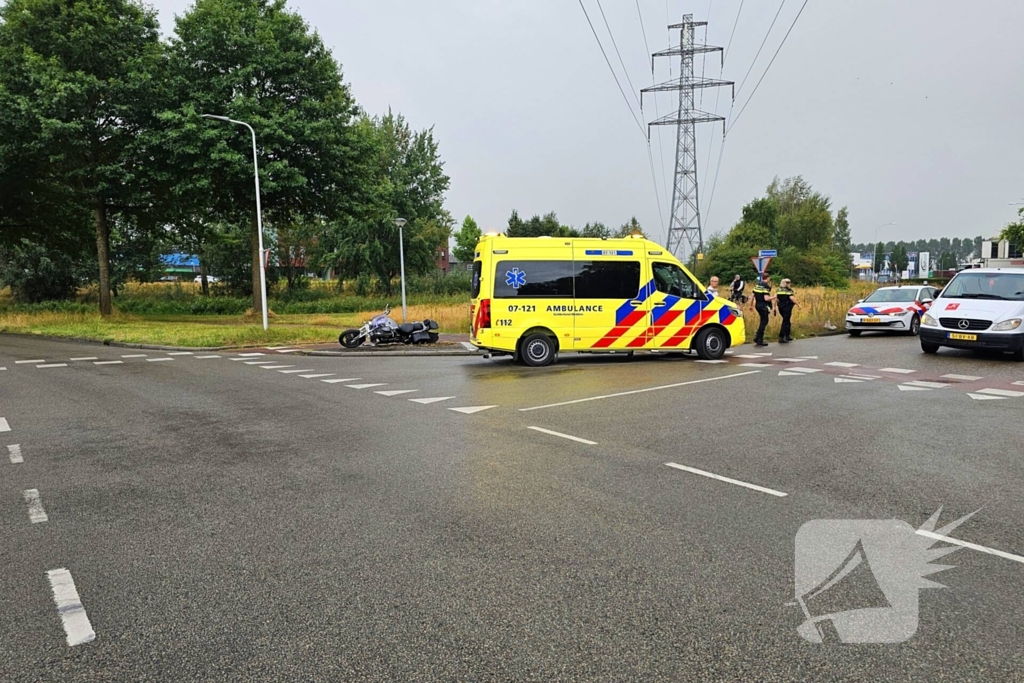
(768,252)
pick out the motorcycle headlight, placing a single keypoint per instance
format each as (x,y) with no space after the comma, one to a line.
(929,321)
(1006,325)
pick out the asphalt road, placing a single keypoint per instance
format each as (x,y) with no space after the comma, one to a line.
(226,518)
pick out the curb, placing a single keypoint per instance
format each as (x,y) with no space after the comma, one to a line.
(126,345)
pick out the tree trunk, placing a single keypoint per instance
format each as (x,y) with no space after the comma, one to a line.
(103,255)
(202,277)
(257,263)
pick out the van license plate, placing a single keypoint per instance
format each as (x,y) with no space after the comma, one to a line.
(871,320)
(963,337)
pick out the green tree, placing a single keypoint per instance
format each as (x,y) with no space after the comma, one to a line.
(258,62)
(630,227)
(899,260)
(82,78)
(466,239)
(538,226)
(1015,231)
(878,263)
(596,230)
(841,239)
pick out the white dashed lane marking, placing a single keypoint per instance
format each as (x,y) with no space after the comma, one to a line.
(275,367)
(250,355)
(737,482)
(927,385)
(1001,392)
(205,357)
(755,365)
(21,362)
(180,353)
(564,436)
(36,513)
(711,361)
(158,360)
(70,608)
(899,371)
(435,399)
(14,452)
(255,362)
(85,358)
(907,387)
(366,386)
(134,355)
(396,392)
(324,374)
(469,410)
(838,364)
(962,378)
(52,365)
(972,546)
(4,427)
(295,372)
(344,379)
(840,380)
(109,362)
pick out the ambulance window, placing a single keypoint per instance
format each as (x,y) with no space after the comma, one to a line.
(533,279)
(477,270)
(607,279)
(670,279)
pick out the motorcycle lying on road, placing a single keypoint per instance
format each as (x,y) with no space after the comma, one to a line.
(383,330)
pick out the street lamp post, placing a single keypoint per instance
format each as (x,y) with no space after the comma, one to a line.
(259,210)
(875,245)
(401,260)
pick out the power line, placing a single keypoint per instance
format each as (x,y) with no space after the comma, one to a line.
(642,30)
(725,55)
(661,145)
(632,88)
(768,33)
(754,92)
(610,68)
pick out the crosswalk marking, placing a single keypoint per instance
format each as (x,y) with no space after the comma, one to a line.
(85,358)
(366,386)
(927,385)
(295,372)
(344,379)
(1001,392)
(963,378)
(52,365)
(275,367)
(323,374)
(900,371)
(109,362)
(839,364)
(396,392)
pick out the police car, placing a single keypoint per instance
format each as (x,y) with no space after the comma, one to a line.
(892,309)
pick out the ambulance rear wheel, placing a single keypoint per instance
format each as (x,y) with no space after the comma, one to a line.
(537,350)
(710,344)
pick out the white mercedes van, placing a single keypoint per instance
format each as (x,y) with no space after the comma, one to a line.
(980,308)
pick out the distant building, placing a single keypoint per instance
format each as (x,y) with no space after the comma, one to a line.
(179,265)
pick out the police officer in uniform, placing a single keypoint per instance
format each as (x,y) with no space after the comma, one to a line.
(784,303)
(762,302)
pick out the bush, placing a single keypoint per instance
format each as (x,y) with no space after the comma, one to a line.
(37,274)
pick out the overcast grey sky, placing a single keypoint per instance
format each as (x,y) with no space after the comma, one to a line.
(905,110)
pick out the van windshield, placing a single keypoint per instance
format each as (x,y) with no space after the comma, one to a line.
(1000,286)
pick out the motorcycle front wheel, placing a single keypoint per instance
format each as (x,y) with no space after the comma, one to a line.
(350,339)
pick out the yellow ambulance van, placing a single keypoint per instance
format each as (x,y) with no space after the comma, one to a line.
(534,297)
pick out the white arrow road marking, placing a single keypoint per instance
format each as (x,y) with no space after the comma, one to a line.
(109,362)
(294,372)
(906,387)
(900,371)
(1001,392)
(847,379)
(425,401)
(69,607)
(346,379)
(14,451)
(837,364)
(719,477)
(469,410)
(323,374)
(396,392)
(85,358)
(4,427)
(53,365)
(36,513)
(366,386)
(963,378)
(927,385)
(564,436)
(987,397)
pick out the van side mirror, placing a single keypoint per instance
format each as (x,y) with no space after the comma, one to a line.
(860,301)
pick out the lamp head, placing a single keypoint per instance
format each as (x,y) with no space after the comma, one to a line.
(400,222)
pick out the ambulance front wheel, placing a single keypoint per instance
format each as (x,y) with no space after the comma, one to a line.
(537,350)
(710,344)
